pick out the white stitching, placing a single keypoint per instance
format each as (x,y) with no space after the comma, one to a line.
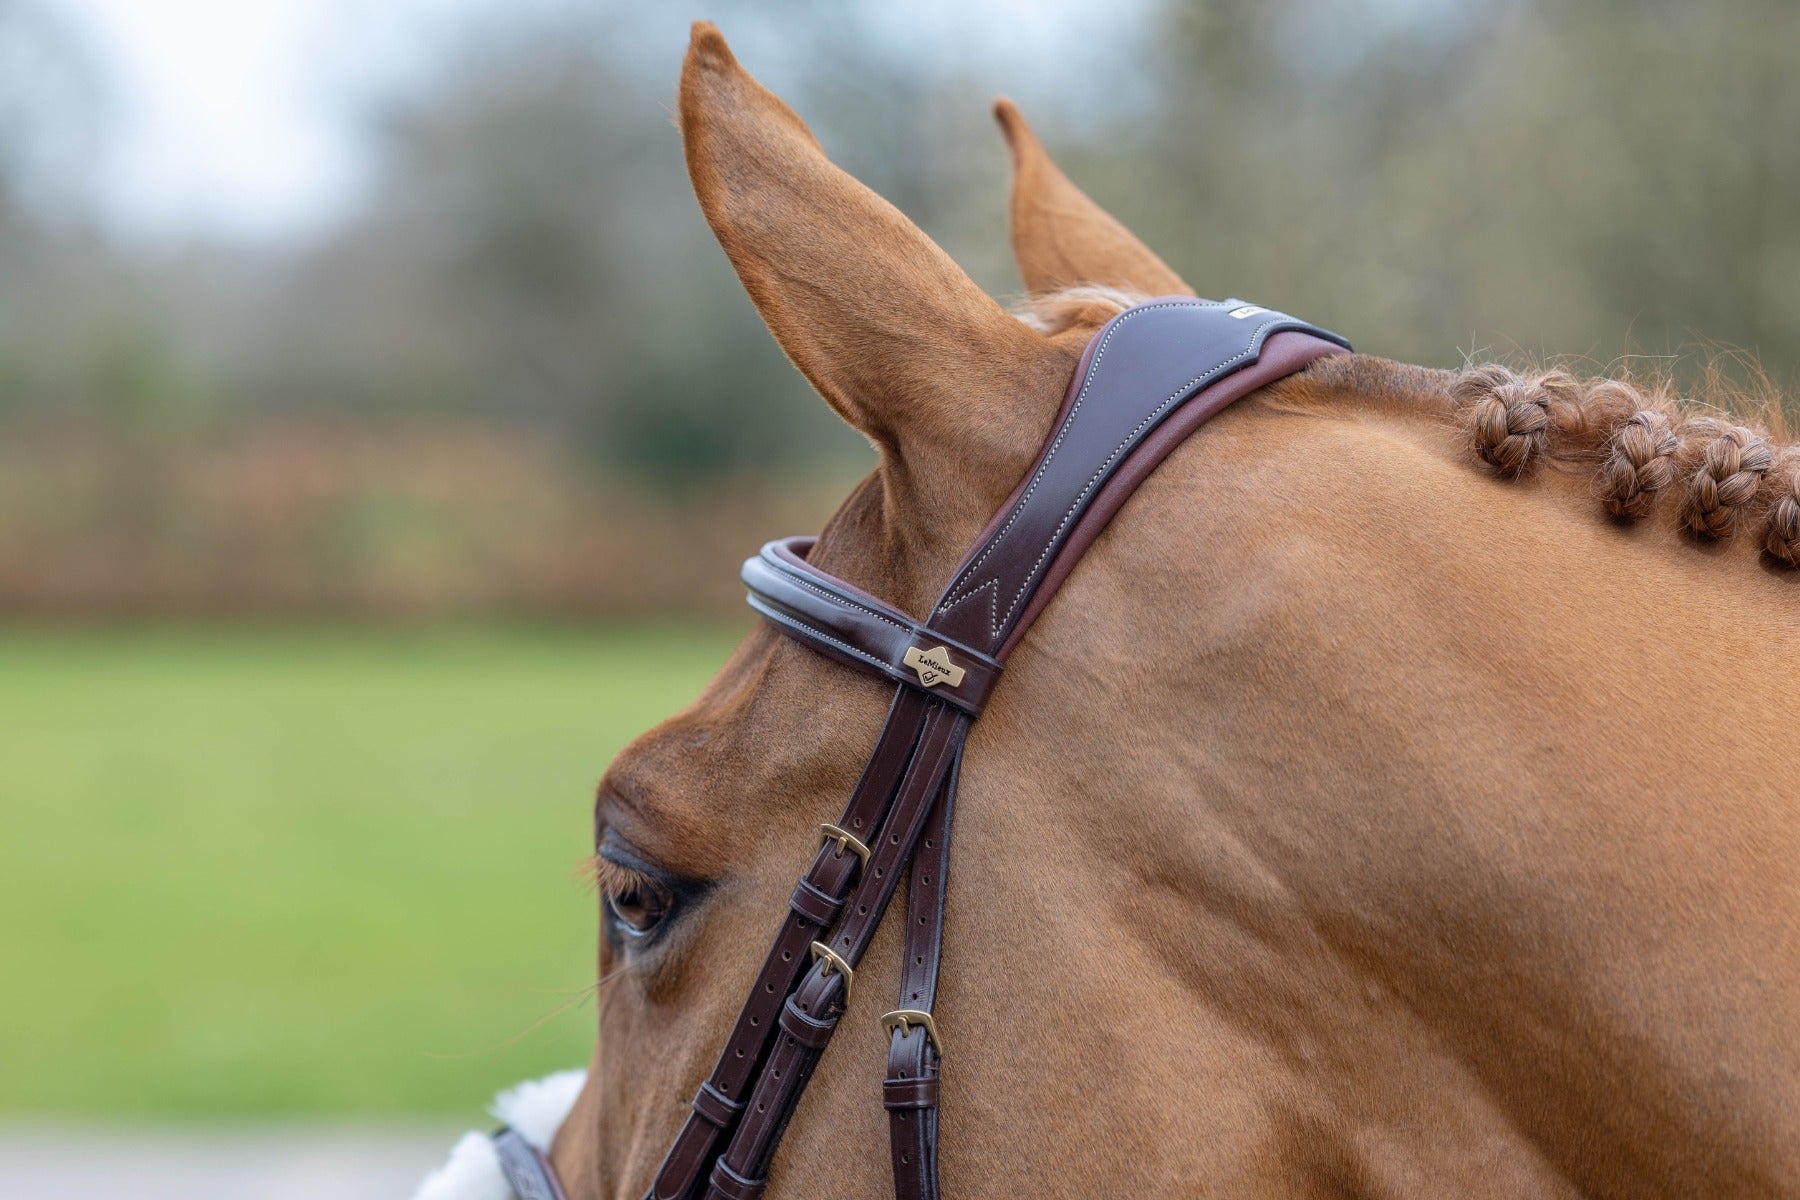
(791,574)
(806,628)
(969,595)
(952,694)
(1061,433)
(1101,471)
(914,631)
(1063,430)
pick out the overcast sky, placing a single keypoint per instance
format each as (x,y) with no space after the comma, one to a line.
(236,118)
(228,117)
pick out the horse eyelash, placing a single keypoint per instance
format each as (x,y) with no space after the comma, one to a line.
(615,879)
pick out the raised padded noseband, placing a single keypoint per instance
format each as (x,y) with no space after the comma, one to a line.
(1150,377)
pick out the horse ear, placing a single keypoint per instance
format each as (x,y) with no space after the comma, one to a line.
(886,327)
(1060,237)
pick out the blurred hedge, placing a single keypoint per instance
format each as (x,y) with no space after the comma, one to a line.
(523,362)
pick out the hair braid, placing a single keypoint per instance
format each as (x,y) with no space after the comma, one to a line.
(1640,462)
(1508,416)
(1728,464)
(1781,533)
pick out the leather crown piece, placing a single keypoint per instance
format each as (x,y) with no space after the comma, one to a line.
(1148,379)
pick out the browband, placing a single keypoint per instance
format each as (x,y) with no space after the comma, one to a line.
(850,625)
(1149,378)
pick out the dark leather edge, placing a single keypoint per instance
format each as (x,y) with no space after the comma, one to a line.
(527,1171)
(859,630)
(1284,353)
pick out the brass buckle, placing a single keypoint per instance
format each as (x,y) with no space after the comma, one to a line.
(904,1019)
(825,954)
(845,841)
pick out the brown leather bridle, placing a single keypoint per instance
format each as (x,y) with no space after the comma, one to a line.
(1149,378)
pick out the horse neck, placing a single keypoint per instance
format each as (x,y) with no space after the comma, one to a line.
(1377,752)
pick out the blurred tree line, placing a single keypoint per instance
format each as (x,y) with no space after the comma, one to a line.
(526,335)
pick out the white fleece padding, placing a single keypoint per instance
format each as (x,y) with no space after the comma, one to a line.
(535,1108)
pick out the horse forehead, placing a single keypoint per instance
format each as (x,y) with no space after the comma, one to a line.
(777,725)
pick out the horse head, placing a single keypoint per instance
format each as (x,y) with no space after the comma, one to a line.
(1367,814)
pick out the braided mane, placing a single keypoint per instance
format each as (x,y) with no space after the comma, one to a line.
(1644,442)
(1641,438)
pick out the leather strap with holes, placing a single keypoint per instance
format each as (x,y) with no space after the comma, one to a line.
(1148,379)
(817,900)
(910,1091)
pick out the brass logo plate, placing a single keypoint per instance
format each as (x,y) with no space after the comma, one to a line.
(934,666)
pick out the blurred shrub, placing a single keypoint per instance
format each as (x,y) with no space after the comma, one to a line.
(395,519)
(525,348)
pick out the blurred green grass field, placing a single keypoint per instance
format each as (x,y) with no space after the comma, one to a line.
(303,872)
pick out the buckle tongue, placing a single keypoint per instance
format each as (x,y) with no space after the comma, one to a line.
(905,1019)
(845,841)
(829,961)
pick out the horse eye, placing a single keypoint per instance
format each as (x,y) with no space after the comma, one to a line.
(638,908)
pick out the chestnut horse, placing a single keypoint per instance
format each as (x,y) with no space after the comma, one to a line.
(1373,812)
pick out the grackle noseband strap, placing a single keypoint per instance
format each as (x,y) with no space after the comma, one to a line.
(1147,380)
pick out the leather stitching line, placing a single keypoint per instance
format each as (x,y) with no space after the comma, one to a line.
(886,668)
(913,630)
(788,573)
(1100,473)
(1063,431)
